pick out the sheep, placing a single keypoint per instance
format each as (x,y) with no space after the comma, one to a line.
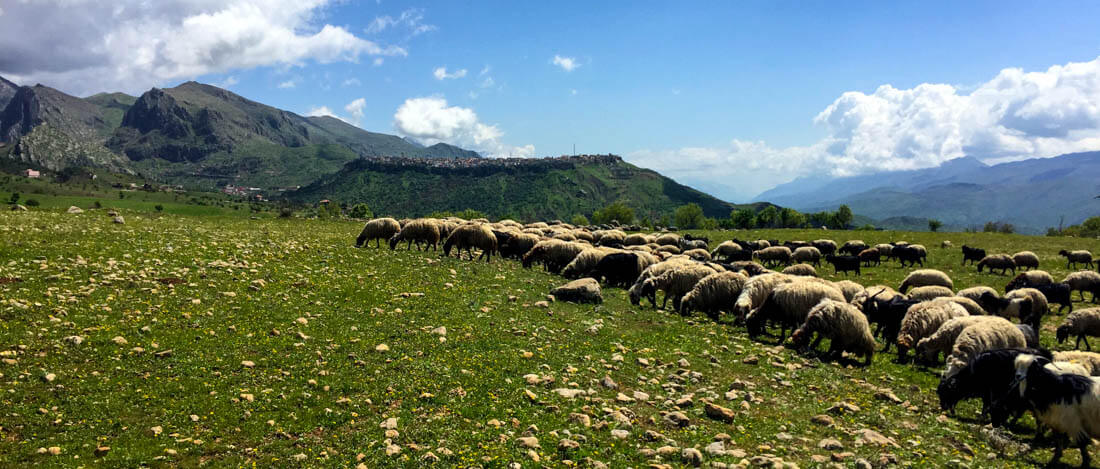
(844,264)
(689,244)
(424,230)
(621,268)
(880,291)
(1076,257)
(669,249)
(852,247)
(467,237)
(921,251)
(1031,278)
(775,255)
(869,256)
(926,277)
(969,305)
(636,239)
(564,236)
(788,305)
(554,254)
(884,250)
(583,264)
(908,255)
(972,254)
(825,246)
(805,270)
(583,235)
(675,283)
(922,320)
(1039,306)
(987,376)
(979,338)
(807,255)
(516,245)
(1026,259)
(654,270)
(761,244)
(929,348)
(378,229)
(713,294)
(1090,361)
(1069,404)
(585,290)
(929,292)
(668,239)
(997,262)
(756,290)
(946,244)
(730,251)
(1081,323)
(698,254)
(1084,281)
(975,293)
(843,324)
(850,289)
(887,312)
(1057,293)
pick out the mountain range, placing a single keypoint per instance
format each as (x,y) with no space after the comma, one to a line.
(1032,194)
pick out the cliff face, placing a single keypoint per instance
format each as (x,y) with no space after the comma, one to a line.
(41,105)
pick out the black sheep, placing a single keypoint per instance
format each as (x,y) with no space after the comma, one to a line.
(844,264)
(887,314)
(972,254)
(988,377)
(617,269)
(908,254)
(1057,293)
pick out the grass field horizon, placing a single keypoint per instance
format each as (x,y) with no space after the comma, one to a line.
(183,341)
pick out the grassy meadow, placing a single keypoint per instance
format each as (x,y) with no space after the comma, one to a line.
(220,341)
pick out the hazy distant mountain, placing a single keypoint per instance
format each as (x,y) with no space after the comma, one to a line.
(1032,194)
(7,90)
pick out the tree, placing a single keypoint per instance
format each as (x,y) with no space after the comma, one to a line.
(844,216)
(689,216)
(579,220)
(791,218)
(709,223)
(768,217)
(121,195)
(934,225)
(159,208)
(617,211)
(14,198)
(360,211)
(743,219)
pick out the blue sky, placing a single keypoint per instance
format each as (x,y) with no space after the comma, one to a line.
(728,96)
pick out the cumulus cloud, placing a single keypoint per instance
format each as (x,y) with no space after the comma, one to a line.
(130,45)
(289,84)
(229,82)
(355,108)
(441,73)
(321,111)
(429,120)
(1015,115)
(566,63)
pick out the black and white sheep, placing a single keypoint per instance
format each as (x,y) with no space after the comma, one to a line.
(1076,257)
(887,311)
(930,292)
(774,255)
(1090,361)
(807,255)
(1084,281)
(922,320)
(675,283)
(378,229)
(1018,308)
(714,294)
(852,247)
(420,230)
(988,376)
(1039,305)
(844,264)
(925,277)
(788,305)
(843,324)
(1026,260)
(1079,324)
(1068,404)
(802,270)
(621,269)
(981,337)
(1001,262)
(1031,278)
(825,246)
(972,254)
(585,290)
(975,293)
(515,245)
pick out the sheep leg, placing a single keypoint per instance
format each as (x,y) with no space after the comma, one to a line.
(1058,447)
(1084,445)
(816,342)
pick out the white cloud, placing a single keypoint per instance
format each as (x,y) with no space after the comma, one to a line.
(352,82)
(228,82)
(412,19)
(441,73)
(289,84)
(321,111)
(573,92)
(355,108)
(430,120)
(131,45)
(1016,115)
(378,61)
(566,63)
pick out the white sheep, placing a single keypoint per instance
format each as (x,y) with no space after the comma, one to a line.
(585,290)
(1001,262)
(636,239)
(713,294)
(654,270)
(1079,324)
(583,263)
(929,292)
(675,283)
(788,305)
(922,320)
(807,254)
(554,254)
(1067,403)
(979,338)
(943,340)
(1083,281)
(969,305)
(975,293)
(421,230)
(1088,360)
(774,255)
(1026,260)
(726,250)
(926,277)
(698,254)
(1039,306)
(756,290)
(668,239)
(843,324)
(803,270)
(850,289)
(1031,278)
(470,236)
(378,229)
(1076,257)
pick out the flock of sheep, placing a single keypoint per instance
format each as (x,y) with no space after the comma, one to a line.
(989,341)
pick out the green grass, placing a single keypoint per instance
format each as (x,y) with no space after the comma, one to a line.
(320,389)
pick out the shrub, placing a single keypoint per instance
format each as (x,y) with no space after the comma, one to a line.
(32,202)
(579,220)
(360,211)
(689,216)
(617,211)
(159,208)
(934,225)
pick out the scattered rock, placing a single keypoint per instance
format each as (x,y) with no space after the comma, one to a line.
(716,448)
(567,445)
(528,442)
(56,450)
(691,456)
(822,419)
(248,364)
(830,444)
(393,450)
(569,393)
(389,424)
(74,209)
(609,383)
(382,348)
(868,436)
(888,397)
(718,412)
(677,419)
(119,340)
(620,434)
(843,407)
(118,220)
(101,451)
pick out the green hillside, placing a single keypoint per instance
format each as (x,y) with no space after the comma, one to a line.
(521,188)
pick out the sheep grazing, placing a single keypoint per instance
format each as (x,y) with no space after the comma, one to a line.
(987,377)
(1076,257)
(621,268)
(825,246)
(1057,293)
(946,244)
(668,239)
(1090,361)
(468,237)
(583,264)
(1084,281)
(774,255)
(1019,308)
(378,229)
(997,262)
(761,244)
(553,254)
(853,247)
(730,251)
(515,245)
(585,290)
(1026,260)
(860,298)
(869,256)
(969,305)
(1031,278)
(922,320)
(690,244)
(421,230)
(1069,404)
(844,264)
(1039,305)
(654,270)
(843,324)
(756,290)
(698,254)
(748,268)
(788,305)
(926,277)
(888,312)
(636,239)
(981,337)
(928,349)
(1079,324)
(908,255)
(930,292)
(807,255)
(972,254)
(675,283)
(714,294)
(850,289)
(804,270)
(669,249)
(975,293)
